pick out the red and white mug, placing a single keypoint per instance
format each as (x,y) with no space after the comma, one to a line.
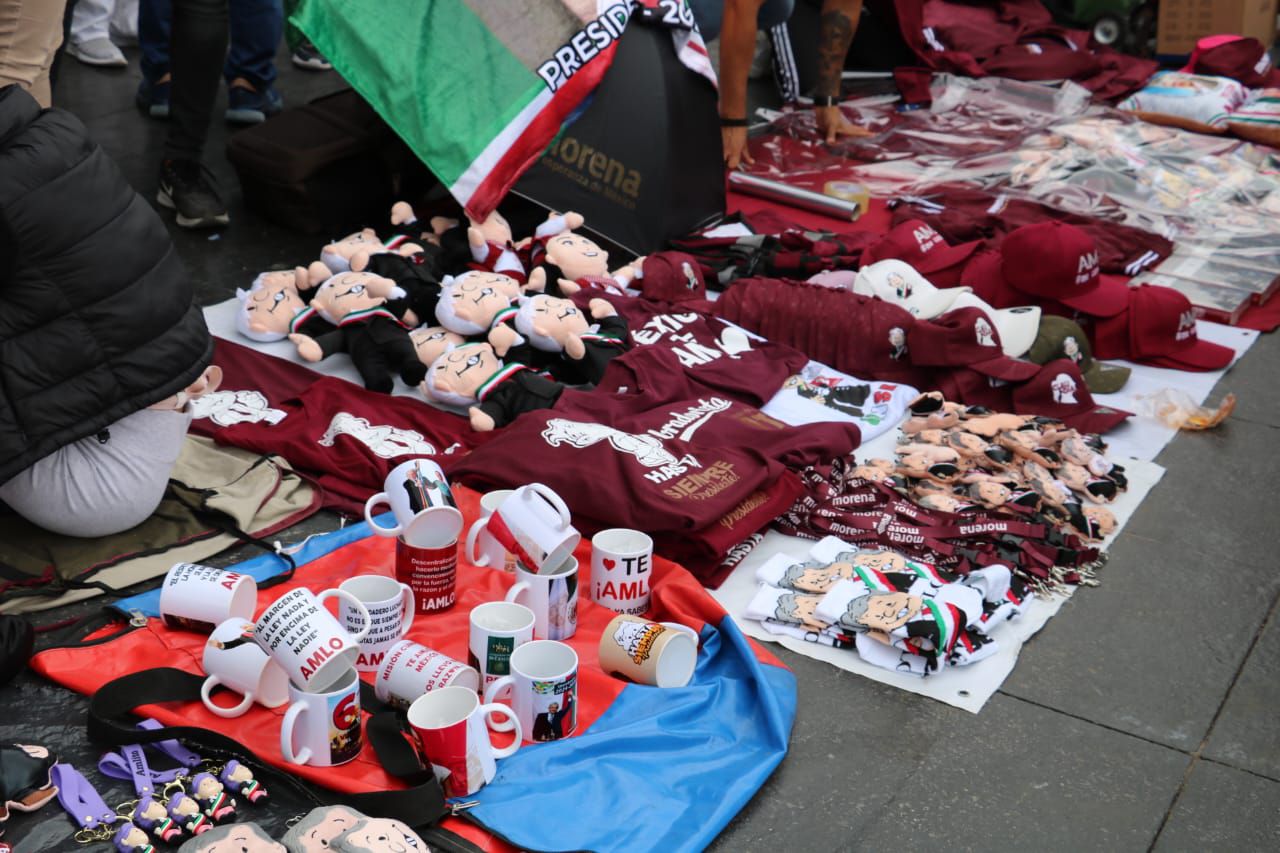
(410,670)
(449,725)
(532,523)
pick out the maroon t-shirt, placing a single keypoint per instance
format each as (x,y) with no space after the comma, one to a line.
(342,435)
(708,349)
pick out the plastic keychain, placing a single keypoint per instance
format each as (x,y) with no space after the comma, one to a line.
(97,820)
(146,811)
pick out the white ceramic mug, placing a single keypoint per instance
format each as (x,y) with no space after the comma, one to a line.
(199,598)
(533,524)
(553,598)
(307,640)
(389,604)
(419,496)
(544,690)
(234,661)
(449,726)
(410,670)
(498,628)
(621,564)
(482,549)
(323,729)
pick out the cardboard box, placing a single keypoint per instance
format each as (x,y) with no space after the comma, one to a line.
(1183,22)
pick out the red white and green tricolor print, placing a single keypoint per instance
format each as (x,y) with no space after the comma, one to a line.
(477,88)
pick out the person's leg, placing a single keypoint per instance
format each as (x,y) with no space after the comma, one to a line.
(96,487)
(250,70)
(30,32)
(708,14)
(88,40)
(198,47)
(154,19)
(124,22)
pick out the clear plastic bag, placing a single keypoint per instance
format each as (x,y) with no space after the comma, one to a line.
(1176,409)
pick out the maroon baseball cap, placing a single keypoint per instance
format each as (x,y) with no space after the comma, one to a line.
(984,274)
(915,242)
(1162,332)
(962,385)
(877,343)
(1059,391)
(1059,262)
(1244,59)
(672,277)
(966,337)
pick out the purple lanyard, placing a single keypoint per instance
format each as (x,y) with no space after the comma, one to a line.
(80,800)
(131,763)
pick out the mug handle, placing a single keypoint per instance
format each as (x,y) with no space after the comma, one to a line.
(206,691)
(473,537)
(409,610)
(303,755)
(513,722)
(380,497)
(513,594)
(552,498)
(490,693)
(354,602)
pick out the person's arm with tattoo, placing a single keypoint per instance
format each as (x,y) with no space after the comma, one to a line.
(737,45)
(838,24)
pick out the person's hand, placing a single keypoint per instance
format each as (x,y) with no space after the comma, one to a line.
(833,124)
(734,140)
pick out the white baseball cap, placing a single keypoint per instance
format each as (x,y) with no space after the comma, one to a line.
(899,283)
(1018,327)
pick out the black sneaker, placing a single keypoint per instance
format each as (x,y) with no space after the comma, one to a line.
(308,58)
(187,188)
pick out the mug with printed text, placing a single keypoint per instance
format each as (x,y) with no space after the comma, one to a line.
(307,640)
(498,628)
(656,653)
(621,565)
(410,669)
(198,598)
(389,604)
(543,688)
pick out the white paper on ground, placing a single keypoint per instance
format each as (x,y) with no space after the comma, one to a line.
(967,687)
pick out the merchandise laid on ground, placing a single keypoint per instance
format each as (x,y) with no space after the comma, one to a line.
(572,533)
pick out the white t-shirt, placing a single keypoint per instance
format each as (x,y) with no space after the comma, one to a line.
(820,394)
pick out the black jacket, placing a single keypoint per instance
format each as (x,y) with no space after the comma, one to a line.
(97,319)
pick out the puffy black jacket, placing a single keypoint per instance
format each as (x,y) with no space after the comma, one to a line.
(97,319)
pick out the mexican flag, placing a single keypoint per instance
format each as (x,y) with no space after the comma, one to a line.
(477,88)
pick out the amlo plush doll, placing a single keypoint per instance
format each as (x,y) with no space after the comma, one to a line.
(473,377)
(557,325)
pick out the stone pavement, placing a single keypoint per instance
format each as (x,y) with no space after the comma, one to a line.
(1142,717)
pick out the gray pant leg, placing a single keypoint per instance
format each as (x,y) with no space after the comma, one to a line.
(90,488)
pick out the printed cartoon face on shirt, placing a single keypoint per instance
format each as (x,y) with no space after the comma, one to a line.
(881,561)
(816,577)
(577,256)
(879,613)
(348,292)
(430,342)
(647,450)
(799,609)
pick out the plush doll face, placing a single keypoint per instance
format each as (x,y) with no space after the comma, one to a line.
(494,228)
(348,292)
(463,370)
(365,240)
(237,838)
(319,827)
(577,256)
(380,835)
(557,319)
(430,342)
(271,303)
(469,304)
(504,284)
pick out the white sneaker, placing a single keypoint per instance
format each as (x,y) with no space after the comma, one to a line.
(100,52)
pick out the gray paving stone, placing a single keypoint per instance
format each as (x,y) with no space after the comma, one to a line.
(832,783)
(1247,734)
(1152,651)
(1209,501)
(1022,777)
(1223,809)
(1252,380)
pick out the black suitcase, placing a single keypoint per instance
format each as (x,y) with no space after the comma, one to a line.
(330,166)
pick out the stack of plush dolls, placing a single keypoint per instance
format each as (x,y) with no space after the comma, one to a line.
(465,313)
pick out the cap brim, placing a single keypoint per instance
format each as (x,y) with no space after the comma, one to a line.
(1202,357)
(1008,369)
(1101,419)
(1109,298)
(947,257)
(1018,328)
(936,303)
(1105,378)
